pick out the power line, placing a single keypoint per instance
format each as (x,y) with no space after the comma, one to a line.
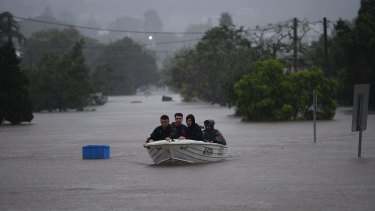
(46,45)
(41,44)
(154,32)
(283,23)
(103,29)
(258,29)
(101,48)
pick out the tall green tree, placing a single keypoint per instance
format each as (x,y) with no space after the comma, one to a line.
(219,59)
(223,56)
(182,74)
(335,44)
(47,85)
(77,77)
(358,52)
(15,103)
(61,82)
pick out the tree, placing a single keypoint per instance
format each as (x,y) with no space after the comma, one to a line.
(264,95)
(15,103)
(303,83)
(277,41)
(52,40)
(77,78)
(226,20)
(47,85)
(133,66)
(223,56)
(61,82)
(219,59)
(335,44)
(182,74)
(358,52)
(269,94)
(129,62)
(59,42)
(9,29)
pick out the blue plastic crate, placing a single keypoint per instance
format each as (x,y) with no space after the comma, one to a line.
(96,152)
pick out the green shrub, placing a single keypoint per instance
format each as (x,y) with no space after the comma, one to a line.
(269,94)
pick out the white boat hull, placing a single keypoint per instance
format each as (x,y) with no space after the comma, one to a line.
(185,151)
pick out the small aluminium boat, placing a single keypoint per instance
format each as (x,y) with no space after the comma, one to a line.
(185,151)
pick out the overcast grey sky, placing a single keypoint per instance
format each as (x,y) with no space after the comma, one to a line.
(177,14)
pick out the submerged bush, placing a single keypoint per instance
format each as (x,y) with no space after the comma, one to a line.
(269,94)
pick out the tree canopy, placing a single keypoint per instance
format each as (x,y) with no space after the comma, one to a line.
(351,51)
(15,103)
(358,52)
(61,82)
(270,94)
(129,64)
(9,29)
(119,68)
(220,58)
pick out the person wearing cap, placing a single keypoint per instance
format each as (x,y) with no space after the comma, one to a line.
(194,131)
(210,134)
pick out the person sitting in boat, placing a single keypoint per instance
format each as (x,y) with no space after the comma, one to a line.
(210,134)
(162,132)
(181,129)
(194,131)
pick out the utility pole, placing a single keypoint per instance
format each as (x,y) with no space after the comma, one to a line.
(295,44)
(326,62)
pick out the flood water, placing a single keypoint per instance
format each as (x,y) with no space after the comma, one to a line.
(273,165)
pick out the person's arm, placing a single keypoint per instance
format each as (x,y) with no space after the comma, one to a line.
(150,139)
(154,135)
(219,138)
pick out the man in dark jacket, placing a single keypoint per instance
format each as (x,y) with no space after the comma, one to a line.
(210,134)
(194,131)
(180,128)
(162,132)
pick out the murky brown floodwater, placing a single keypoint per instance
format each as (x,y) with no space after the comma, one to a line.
(274,166)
